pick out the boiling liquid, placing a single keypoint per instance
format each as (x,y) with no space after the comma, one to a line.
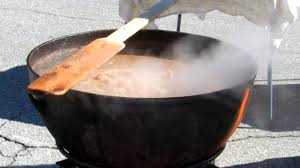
(133,76)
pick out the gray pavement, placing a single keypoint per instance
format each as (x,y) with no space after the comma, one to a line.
(24,140)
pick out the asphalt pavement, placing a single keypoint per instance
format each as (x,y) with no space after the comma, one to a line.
(259,141)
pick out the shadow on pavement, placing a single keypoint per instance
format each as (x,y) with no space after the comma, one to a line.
(14,102)
(289,162)
(286,109)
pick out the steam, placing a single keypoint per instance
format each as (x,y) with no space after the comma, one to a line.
(198,68)
(219,66)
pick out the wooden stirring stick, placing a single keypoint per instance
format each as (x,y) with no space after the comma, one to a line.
(61,78)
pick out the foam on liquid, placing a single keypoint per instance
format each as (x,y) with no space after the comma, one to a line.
(132,76)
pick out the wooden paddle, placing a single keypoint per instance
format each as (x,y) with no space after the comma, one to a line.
(61,78)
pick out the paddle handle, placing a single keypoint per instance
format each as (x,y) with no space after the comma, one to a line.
(136,24)
(126,31)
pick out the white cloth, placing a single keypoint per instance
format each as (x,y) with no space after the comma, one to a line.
(276,14)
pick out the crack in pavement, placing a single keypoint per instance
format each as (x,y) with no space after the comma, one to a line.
(12,118)
(264,137)
(16,155)
(23,149)
(12,157)
(57,15)
(4,124)
(28,152)
(3,155)
(26,146)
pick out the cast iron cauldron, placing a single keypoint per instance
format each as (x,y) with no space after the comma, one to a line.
(120,132)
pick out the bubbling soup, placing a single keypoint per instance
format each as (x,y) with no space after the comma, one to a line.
(133,76)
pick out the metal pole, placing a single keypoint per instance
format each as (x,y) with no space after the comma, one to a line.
(270,73)
(179,22)
(270,86)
